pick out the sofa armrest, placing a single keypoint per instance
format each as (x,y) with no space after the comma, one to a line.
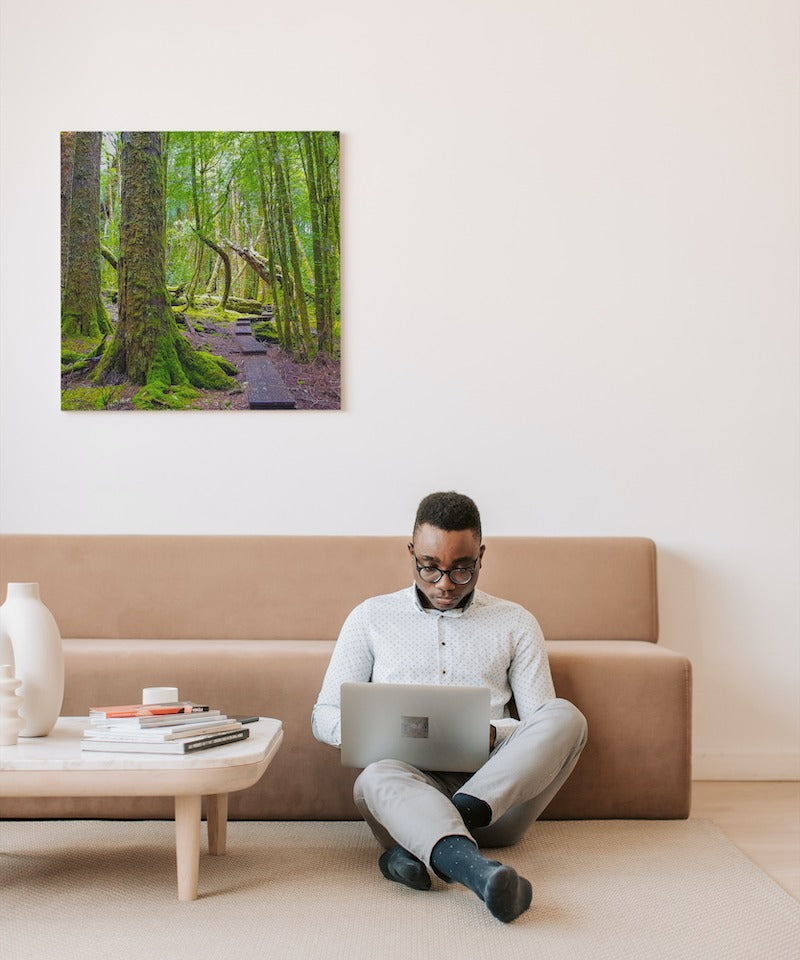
(637,699)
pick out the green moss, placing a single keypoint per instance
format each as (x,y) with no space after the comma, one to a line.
(77,321)
(265,331)
(90,398)
(165,367)
(79,346)
(239,306)
(158,396)
(111,363)
(79,353)
(226,366)
(211,313)
(183,319)
(173,369)
(205,369)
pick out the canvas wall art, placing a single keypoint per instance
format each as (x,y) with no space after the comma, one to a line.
(200,270)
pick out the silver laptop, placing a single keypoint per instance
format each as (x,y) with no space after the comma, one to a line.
(428,726)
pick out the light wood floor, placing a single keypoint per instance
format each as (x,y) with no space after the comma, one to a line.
(761,818)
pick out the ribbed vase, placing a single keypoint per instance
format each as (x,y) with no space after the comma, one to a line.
(10,702)
(30,640)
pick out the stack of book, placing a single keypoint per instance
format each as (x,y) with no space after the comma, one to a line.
(180,727)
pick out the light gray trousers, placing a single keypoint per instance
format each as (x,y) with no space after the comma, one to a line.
(522,775)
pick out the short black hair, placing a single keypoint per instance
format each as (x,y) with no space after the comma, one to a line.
(449,511)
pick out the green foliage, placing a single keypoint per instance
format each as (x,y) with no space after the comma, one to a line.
(227,168)
(225,185)
(90,398)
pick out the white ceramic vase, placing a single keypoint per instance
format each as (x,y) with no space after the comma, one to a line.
(30,640)
(10,702)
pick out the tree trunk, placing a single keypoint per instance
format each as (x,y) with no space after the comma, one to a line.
(82,310)
(147,346)
(67,155)
(226,263)
(190,290)
(198,198)
(320,293)
(329,207)
(255,260)
(267,219)
(290,244)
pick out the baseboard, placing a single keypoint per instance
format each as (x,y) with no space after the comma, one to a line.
(745,766)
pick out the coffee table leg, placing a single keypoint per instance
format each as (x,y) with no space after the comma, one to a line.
(217,815)
(187,845)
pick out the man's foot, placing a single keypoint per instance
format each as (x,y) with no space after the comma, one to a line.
(507,894)
(399,865)
(504,892)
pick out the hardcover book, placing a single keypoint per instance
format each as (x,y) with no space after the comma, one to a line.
(157,734)
(186,745)
(148,709)
(156,722)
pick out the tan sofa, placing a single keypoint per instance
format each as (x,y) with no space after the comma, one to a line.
(247,624)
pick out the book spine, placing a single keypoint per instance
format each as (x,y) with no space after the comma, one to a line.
(113,713)
(215,741)
(156,722)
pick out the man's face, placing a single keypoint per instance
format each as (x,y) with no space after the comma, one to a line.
(447,550)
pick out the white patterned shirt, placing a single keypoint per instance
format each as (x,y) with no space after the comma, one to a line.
(394,639)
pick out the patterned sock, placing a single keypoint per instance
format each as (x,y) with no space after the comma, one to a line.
(474,812)
(399,865)
(504,892)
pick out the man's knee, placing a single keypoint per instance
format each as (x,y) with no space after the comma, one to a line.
(574,725)
(563,724)
(377,774)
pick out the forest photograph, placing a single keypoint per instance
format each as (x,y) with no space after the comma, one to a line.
(200,271)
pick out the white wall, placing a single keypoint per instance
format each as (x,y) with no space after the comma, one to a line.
(570,229)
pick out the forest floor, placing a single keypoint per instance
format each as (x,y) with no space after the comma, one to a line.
(313,386)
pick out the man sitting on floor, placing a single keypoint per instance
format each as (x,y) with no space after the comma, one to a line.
(443,630)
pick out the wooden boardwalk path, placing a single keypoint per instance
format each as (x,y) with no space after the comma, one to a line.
(265,388)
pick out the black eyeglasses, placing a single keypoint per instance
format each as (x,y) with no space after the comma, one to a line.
(459,575)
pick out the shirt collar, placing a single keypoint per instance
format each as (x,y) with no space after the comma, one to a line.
(431,611)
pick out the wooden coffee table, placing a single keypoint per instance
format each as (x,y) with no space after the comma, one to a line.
(55,766)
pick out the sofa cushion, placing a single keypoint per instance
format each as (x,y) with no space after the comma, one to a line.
(635,696)
(302,588)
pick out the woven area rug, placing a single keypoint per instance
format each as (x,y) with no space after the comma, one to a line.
(602,889)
